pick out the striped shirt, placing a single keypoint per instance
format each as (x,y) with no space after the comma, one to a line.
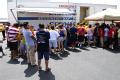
(12,34)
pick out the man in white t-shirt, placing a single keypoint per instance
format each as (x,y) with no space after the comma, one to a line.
(53,38)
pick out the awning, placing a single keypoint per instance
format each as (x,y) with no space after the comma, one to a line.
(46,10)
(4,20)
(107,15)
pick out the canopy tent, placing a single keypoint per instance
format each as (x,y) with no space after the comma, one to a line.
(106,15)
(46,10)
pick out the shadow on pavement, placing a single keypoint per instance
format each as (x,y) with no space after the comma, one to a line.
(64,54)
(55,56)
(46,75)
(73,50)
(24,62)
(116,51)
(83,48)
(30,71)
(13,61)
(94,47)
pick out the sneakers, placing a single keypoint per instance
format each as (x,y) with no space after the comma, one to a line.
(33,65)
(39,68)
(80,46)
(48,70)
(3,54)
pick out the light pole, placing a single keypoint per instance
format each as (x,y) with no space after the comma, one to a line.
(16,11)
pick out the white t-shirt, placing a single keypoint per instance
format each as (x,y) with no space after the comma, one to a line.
(53,35)
(90,32)
(106,30)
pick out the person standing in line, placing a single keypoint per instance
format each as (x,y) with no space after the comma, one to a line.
(13,42)
(90,35)
(101,35)
(106,30)
(53,39)
(63,34)
(67,43)
(2,29)
(73,36)
(118,37)
(96,35)
(3,32)
(43,48)
(7,27)
(30,44)
(115,37)
(81,35)
(111,34)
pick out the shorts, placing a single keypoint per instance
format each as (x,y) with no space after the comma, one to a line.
(45,54)
(90,38)
(105,39)
(53,43)
(81,38)
(111,40)
(61,39)
(73,38)
(13,45)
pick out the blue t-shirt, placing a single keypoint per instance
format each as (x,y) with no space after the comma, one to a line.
(73,30)
(61,33)
(27,35)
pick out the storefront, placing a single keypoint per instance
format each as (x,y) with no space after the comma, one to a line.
(37,12)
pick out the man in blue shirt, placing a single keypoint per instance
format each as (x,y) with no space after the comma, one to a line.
(30,43)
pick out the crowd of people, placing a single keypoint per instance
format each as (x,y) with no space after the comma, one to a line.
(24,41)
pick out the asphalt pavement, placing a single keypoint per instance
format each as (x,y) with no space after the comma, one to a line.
(80,64)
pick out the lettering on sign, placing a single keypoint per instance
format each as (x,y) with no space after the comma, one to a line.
(67,6)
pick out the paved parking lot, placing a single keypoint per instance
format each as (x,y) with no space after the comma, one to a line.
(80,64)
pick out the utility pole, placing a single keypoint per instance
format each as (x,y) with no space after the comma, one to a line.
(16,11)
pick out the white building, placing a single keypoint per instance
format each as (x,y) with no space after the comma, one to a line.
(78,11)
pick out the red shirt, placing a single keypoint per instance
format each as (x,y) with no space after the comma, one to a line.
(101,32)
(111,32)
(81,31)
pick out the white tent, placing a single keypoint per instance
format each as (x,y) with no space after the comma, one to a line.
(106,15)
(46,10)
